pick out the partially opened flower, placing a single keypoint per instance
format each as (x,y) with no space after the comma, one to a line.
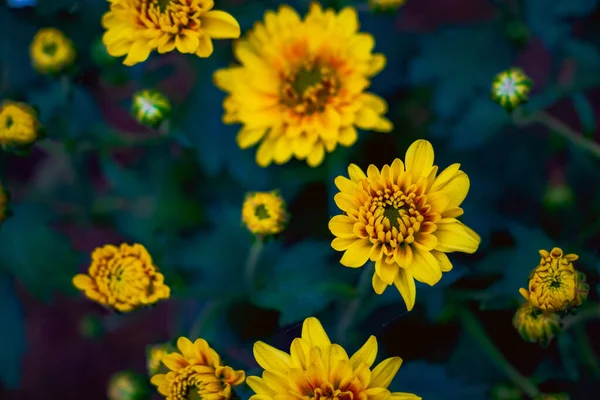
(196,372)
(555,285)
(536,326)
(299,90)
(264,213)
(19,126)
(51,51)
(123,278)
(404,218)
(135,28)
(319,369)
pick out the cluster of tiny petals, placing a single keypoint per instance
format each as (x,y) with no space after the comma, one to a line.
(535,326)
(264,213)
(124,278)
(555,285)
(51,51)
(19,126)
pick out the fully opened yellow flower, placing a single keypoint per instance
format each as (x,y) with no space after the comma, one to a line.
(123,278)
(535,326)
(3,203)
(264,213)
(137,27)
(19,126)
(196,372)
(319,369)
(403,217)
(51,51)
(300,88)
(555,285)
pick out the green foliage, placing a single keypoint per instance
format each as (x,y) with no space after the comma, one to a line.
(13,332)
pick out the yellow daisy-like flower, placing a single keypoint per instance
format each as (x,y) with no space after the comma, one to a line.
(155,354)
(196,372)
(19,126)
(137,27)
(404,219)
(300,88)
(318,369)
(4,212)
(264,213)
(511,88)
(555,285)
(51,51)
(126,385)
(385,5)
(123,278)
(535,326)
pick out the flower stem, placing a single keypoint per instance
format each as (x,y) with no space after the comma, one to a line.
(586,314)
(347,319)
(252,261)
(586,351)
(478,334)
(201,318)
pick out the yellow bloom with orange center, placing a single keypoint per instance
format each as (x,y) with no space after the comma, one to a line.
(3,203)
(123,278)
(321,370)
(196,372)
(264,213)
(136,28)
(402,217)
(555,285)
(535,326)
(19,126)
(51,51)
(300,88)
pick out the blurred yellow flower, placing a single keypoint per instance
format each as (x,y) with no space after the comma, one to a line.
(19,126)
(316,368)
(137,27)
(300,88)
(51,51)
(126,385)
(154,356)
(3,203)
(264,213)
(386,4)
(555,285)
(196,372)
(535,326)
(150,107)
(123,278)
(404,219)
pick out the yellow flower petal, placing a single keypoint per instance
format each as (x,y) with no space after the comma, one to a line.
(83,282)
(187,348)
(425,268)
(271,358)
(345,202)
(366,354)
(378,285)
(524,293)
(456,189)
(187,41)
(345,185)
(355,173)
(403,396)
(205,46)
(299,352)
(387,272)
(405,284)
(314,334)
(249,137)
(220,25)
(342,226)
(341,244)
(174,361)
(444,177)
(139,52)
(259,386)
(419,158)
(357,254)
(456,237)
(377,393)
(443,260)
(384,372)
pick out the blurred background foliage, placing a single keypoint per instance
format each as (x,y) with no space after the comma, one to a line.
(100,177)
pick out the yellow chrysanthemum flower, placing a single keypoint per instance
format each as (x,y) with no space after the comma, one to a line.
(404,219)
(319,369)
(127,385)
(264,213)
(535,326)
(123,278)
(196,372)
(19,126)
(385,5)
(555,285)
(137,27)
(51,51)
(155,354)
(300,88)
(3,203)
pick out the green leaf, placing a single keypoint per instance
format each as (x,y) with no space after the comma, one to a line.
(585,112)
(13,333)
(37,255)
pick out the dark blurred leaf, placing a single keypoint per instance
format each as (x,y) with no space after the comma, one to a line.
(300,284)
(37,255)
(13,333)
(15,64)
(418,376)
(585,112)
(50,7)
(482,120)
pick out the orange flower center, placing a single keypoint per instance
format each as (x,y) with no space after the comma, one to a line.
(171,15)
(307,89)
(327,392)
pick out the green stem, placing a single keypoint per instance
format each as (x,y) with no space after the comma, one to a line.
(586,351)
(198,323)
(252,261)
(347,319)
(478,334)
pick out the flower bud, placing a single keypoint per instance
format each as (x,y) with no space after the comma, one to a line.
(535,326)
(150,107)
(511,88)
